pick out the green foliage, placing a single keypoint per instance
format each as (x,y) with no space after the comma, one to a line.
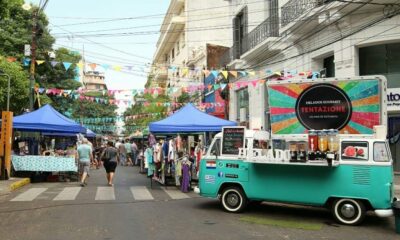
(18,87)
(139,108)
(16,30)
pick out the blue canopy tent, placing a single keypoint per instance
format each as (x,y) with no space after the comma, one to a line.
(46,119)
(189,119)
(89,134)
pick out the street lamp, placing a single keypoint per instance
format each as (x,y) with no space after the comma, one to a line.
(8,89)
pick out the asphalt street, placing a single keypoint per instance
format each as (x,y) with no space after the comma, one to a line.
(133,210)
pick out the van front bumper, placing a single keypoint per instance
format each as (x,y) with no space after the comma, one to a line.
(384,212)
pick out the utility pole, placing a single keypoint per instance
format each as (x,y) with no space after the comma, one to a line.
(35,16)
(33,61)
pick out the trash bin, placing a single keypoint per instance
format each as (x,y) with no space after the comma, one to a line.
(396,211)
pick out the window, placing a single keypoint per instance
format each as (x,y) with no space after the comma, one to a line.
(381,59)
(329,66)
(183,40)
(380,152)
(173,54)
(354,151)
(215,148)
(239,31)
(243,104)
(177,48)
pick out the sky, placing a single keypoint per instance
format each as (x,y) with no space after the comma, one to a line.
(89,26)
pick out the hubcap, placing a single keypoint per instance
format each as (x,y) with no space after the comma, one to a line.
(347,210)
(232,199)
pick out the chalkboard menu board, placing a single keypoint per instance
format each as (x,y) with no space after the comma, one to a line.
(232,140)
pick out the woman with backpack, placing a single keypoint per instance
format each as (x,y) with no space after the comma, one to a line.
(110,160)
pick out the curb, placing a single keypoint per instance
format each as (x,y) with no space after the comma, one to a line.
(19,184)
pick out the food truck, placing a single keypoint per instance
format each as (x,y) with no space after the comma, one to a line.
(326,147)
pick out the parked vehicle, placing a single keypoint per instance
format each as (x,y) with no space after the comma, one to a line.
(337,164)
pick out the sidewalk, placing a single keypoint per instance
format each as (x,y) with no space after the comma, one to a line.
(6,186)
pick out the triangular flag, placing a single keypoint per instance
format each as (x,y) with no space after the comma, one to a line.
(93,66)
(67,65)
(53,63)
(185,71)
(39,62)
(117,68)
(214,73)
(216,86)
(243,73)
(11,59)
(234,73)
(26,61)
(223,85)
(225,74)
(80,65)
(206,72)
(252,73)
(105,66)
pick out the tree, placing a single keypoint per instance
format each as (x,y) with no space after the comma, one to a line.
(16,30)
(19,87)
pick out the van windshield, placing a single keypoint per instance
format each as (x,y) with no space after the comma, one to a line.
(215,148)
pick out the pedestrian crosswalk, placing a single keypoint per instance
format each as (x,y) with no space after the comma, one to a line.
(101,193)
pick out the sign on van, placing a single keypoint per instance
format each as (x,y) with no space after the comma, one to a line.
(350,105)
(393,99)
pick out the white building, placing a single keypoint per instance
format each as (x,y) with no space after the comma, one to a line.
(340,38)
(191,34)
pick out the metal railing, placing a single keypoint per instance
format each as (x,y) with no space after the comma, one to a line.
(295,8)
(268,28)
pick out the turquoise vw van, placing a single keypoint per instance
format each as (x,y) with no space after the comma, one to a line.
(349,185)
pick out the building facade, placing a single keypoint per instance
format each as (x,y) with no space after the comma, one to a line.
(191,34)
(332,38)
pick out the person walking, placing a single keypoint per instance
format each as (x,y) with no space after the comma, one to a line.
(110,160)
(122,153)
(129,157)
(135,149)
(84,156)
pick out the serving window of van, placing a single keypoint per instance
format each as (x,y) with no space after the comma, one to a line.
(381,152)
(351,150)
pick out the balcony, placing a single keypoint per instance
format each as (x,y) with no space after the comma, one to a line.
(251,41)
(293,9)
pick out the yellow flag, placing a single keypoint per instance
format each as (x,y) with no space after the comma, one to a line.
(39,62)
(117,68)
(185,71)
(225,74)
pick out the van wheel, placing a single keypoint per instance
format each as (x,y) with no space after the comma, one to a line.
(348,211)
(233,199)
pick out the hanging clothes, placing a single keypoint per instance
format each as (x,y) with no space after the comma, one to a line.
(185,187)
(148,155)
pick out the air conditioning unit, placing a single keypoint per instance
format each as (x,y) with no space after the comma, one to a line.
(243,115)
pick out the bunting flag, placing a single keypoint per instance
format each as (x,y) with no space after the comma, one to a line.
(67,65)
(93,66)
(53,63)
(117,68)
(225,74)
(39,62)
(26,61)
(11,59)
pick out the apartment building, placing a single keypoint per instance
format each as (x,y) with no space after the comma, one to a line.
(334,38)
(191,39)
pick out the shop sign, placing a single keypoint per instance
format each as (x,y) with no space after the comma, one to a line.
(393,99)
(350,106)
(323,106)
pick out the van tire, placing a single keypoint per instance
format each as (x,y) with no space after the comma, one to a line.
(233,199)
(348,211)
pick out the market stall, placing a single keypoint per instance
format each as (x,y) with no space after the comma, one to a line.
(32,153)
(178,155)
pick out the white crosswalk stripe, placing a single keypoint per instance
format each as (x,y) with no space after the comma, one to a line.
(68,193)
(175,194)
(141,193)
(138,193)
(29,195)
(105,193)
